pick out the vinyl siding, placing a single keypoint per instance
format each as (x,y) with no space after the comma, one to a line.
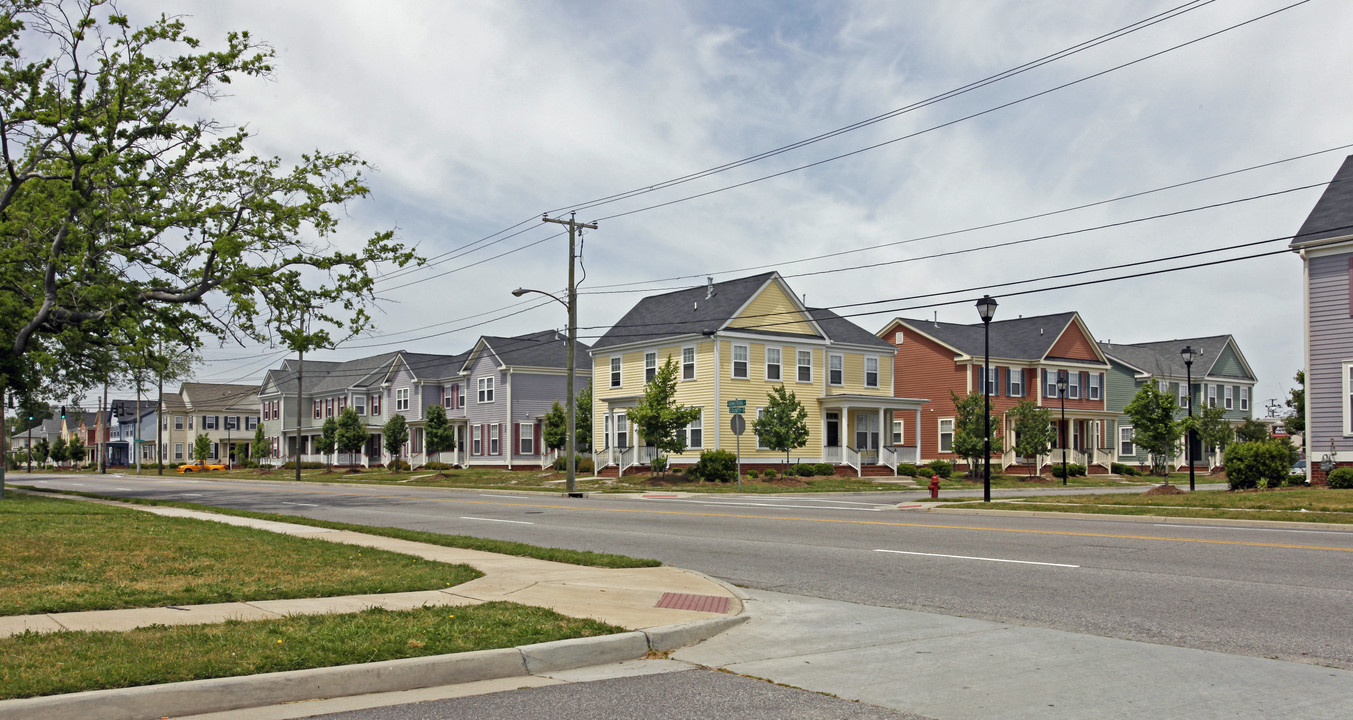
(924,368)
(1331,343)
(1074,345)
(772,310)
(1228,365)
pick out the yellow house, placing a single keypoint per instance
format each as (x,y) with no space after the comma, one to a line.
(733,342)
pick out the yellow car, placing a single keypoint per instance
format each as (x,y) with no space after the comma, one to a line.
(199,466)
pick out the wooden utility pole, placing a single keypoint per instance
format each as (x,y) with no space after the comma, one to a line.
(573,227)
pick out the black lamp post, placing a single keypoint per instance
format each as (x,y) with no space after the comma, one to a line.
(986,307)
(1188,354)
(1062,433)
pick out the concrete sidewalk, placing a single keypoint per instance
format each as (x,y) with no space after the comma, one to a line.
(668,607)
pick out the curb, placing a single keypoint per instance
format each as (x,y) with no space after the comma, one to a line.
(196,697)
(1155,519)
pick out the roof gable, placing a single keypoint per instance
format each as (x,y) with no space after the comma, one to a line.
(692,311)
(1332,216)
(1076,343)
(1028,339)
(1162,358)
(774,308)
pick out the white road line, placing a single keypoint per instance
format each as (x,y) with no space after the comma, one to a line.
(514,522)
(510,497)
(1251,529)
(122,488)
(965,557)
(301,504)
(192,494)
(729,503)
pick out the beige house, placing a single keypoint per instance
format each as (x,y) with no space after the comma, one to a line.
(227,414)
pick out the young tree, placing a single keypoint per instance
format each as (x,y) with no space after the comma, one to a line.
(328,440)
(1295,423)
(1252,431)
(1212,428)
(970,430)
(351,435)
(75,450)
(41,451)
(660,421)
(783,425)
(582,418)
(554,432)
(261,448)
(201,447)
(1154,427)
(1033,431)
(396,433)
(437,432)
(60,450)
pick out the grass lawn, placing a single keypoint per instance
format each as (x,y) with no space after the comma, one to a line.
(45,664)
(64,555)
(1293,504)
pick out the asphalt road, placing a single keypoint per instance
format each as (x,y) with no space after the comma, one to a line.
(1261,591)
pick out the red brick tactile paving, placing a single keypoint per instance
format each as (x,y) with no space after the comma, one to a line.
(699,603)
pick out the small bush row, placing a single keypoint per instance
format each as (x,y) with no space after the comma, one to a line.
(1073,469)
(1123,469)
(1260,463)
(1341,478)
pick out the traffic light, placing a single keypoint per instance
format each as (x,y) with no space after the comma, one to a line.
(63,412)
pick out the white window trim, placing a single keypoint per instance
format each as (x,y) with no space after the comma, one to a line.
(838,357)
(1346,409)
(898,434)
(1073,385)
(1130,441)
(650,366)
(1096,392)
(359,404)
(779,365)
(526,438)
(1050,386)
(1244,398)
(1228,401)
(690,445)
(178,422)
(1211,395)
(940,433)
(1015,384)
(401,399)
(746,362)
(798,365)
(495,442)
(484,389)
(617,370)
(878,370)
(1184,397)
(695,369)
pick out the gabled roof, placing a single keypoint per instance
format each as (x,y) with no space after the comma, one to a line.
(683,312)
(49,428)
(1162,358)
(841,330)
(426,366)
(327,376)
(1332,216)
(218,395)
(544,349)
(1027,339)
(127,410)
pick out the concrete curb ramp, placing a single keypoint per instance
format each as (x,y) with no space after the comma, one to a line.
(235,693)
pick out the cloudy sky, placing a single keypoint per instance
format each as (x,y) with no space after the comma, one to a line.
(481,116)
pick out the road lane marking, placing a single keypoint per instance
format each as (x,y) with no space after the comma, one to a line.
(259,487)
(987,559)
(301,504)
(731,503)
(514,522)
(1251,529)
(509,497)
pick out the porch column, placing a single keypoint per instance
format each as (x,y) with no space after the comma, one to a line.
(918,436)
(609,427)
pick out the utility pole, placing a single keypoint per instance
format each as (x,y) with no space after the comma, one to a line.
(102,427)
(573,226)
(300,368)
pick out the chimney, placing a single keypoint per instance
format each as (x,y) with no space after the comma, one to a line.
(709,287)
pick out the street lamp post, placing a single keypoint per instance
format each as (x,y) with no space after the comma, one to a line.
(986,308)
(571,402)
(1188,354)
(1062,434)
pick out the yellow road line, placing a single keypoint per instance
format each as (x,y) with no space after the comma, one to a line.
(1068,533)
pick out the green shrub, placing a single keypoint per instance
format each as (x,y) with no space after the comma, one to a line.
(658,464)
(1074,469)
(803,470)
(393,465)
(770,474)
(1262,463)
(1121,469)
(906,470)
(826,469)
(308,465)
(752,474)
(584,465)
(437,465)
(1341,478)
(677,470)
(943,468)
(716,466)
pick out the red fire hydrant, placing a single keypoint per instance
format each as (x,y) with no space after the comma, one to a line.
(935,486)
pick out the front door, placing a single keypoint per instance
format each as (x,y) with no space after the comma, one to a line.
(867,437)
(833,429)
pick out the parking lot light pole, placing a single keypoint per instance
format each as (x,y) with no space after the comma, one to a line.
(1188,355)
(1062,431)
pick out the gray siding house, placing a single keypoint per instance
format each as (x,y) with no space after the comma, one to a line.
(1325,244)
(1221,378)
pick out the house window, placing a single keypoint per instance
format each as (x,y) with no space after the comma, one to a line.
(215,450)
(1015,387)
(1183,396)
(527,434)
(989,375)
(1163,386)
(836,373)
(1095,391)
(476,442)
(898,432)
(416,441)
(805,364)
(401,399)
(178,451)
(695,433)
(688,363)
(178,422)
(317,412)
(1244,398)
(1050,383)
(615,372)
(1226,399)
(250,422)
(740,362)
(622,436)
(460,396)
(1211,395)
(760,444)
(650,367)
(359,404)
(1125,446)
(871,372)
(210,422)
(1073,386)
(376,404)
(773,364)
(486,390)
(232,422)
(946,435)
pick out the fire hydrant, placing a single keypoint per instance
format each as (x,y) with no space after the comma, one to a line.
(935,486)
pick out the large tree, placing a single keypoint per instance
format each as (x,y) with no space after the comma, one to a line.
(783,425)
(970,430)
(1295,422)
(1154,426)
(124,205)
(1034,433)
(659,420)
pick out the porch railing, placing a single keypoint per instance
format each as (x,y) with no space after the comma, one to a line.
(625,458)
(547,459)
(831,454)
(852,458)
(888,457)
(905,454)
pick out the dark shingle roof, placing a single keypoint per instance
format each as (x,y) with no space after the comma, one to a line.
(682,312)
(427,366)
(1027,339)
(203,395)
(1163,358)
(842,330)
(1332,215)
(545,349)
